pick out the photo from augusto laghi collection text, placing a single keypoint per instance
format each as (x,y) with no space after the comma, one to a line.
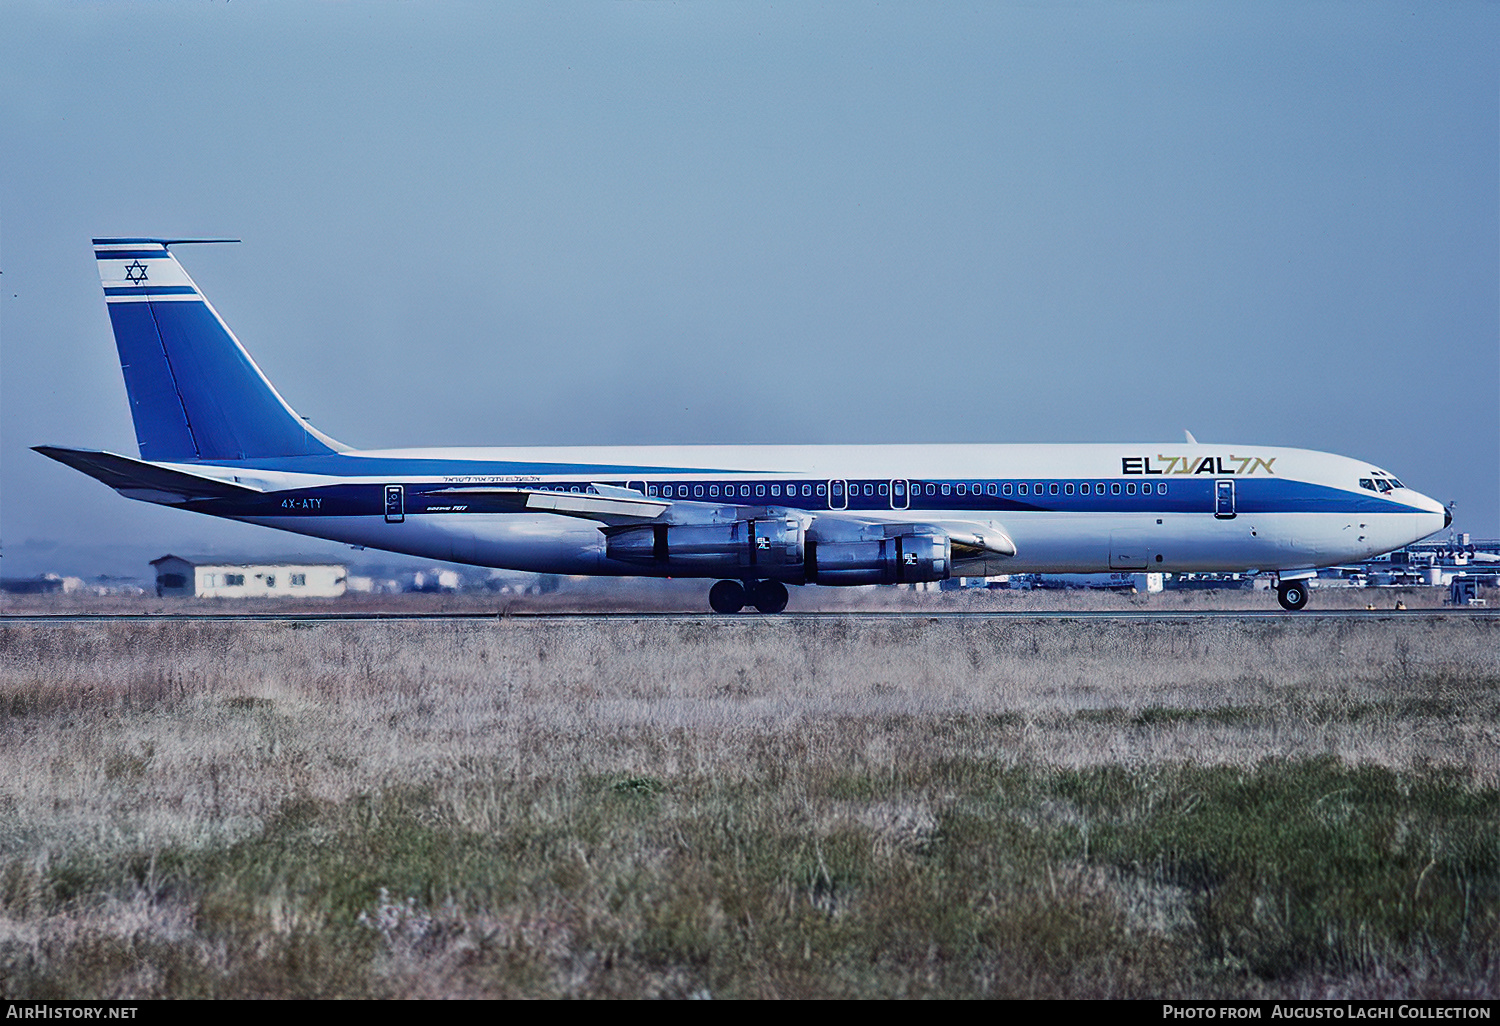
(1347,1010)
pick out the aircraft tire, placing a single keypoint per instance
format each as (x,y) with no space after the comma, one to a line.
(769,596)
(727,597)
(1292,595)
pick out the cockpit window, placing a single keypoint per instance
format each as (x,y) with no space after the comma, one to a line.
(1385,486)
(1367,483)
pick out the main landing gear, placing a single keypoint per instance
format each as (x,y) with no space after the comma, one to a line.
(1292,594)
(731,596)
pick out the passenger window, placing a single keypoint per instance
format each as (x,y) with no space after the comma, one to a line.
(822,489)
(1130,488)
(776,490)
(713,491)
(947,489)
(698,491)
(1084,488)
(651,491)
(1023,488)
(1006,489)
(989,489)
(806,490)
(931,490)
(869,489)
(1052,488)
(962,488)
(882,489)
(760,491)
(1068,488)
(1114,488)
(1161,488)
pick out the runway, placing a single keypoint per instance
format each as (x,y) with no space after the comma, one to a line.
(1156,616)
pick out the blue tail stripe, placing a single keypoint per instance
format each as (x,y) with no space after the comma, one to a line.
(150,290)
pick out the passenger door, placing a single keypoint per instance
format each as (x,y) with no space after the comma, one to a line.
(1224,499)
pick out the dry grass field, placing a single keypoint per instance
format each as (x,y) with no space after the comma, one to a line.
(751,807)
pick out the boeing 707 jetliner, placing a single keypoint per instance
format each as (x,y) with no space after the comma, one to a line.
(215,437)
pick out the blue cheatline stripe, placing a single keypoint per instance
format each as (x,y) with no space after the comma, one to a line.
(365,499)
(151,290)
(128,242)
(1193,496)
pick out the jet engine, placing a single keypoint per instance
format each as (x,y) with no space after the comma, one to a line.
(758,549)
(907,557)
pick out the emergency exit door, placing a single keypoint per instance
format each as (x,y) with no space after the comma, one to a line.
(395,504)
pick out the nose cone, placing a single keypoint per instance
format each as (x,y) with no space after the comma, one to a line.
(1432,516)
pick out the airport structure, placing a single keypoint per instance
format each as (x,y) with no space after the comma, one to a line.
(215,437)
(234,577)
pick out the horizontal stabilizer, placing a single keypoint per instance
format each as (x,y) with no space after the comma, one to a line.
(137,480)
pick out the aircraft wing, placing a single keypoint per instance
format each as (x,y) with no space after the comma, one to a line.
(135,479)
(607,504)
(617,507)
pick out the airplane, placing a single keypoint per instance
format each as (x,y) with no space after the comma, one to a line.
(215,437)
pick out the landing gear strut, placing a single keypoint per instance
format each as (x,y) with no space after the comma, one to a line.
(731,596)
(1292,594)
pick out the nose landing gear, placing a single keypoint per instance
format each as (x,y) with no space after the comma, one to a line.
(1292,594)
(731,596)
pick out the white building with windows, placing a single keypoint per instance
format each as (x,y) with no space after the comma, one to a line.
(232,577)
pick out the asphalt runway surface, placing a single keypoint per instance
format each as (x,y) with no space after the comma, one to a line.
(1124,615)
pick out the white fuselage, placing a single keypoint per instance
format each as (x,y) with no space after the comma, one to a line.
(1085,508)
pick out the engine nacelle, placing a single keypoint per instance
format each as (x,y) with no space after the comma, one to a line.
(906,558)
(751,549)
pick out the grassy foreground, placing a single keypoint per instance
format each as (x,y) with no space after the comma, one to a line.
(751,808)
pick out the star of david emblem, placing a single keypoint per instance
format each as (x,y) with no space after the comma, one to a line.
(135,272)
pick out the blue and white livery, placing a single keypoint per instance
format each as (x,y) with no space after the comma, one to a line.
(215,437)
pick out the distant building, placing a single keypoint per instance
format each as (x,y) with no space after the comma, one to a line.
(232,577)
(46,584)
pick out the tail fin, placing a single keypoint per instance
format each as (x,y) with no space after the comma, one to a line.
(195,394)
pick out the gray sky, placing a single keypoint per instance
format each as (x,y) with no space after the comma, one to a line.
(653,222)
